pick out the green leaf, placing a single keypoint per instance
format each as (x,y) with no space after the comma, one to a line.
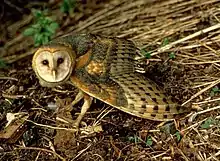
(165,42)
(65,7)
(29,31)
(145,53)
(47,34)
(68,6)
(207,123)
(54,26)
(135,139)
(37,13)
(178,136)
(149,141)
(36,26)
(38,39)
(2,64)
(172,55)
(215,89)
(45,40)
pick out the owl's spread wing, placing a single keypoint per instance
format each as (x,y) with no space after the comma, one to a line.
(145,99)
(107,72)
(131,93)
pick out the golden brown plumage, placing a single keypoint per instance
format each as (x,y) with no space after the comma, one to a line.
(105,68)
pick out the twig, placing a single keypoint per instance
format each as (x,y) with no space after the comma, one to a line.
(52,127)
(101,115)
(202,91)
(159,155)
(184,156)
(208,101)
(9,78)
(14,58)
(90,129)
(41,149)
(169,46)
(82,151)
(199,63)
(215,155)
(13,96)
(13,6)
(204,111)
(194,125)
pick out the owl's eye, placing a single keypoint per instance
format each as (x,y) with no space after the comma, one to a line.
(60,61)
(45,62)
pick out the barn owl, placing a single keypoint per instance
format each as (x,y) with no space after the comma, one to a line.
(103,68)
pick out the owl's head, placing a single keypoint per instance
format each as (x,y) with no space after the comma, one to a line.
(53,64)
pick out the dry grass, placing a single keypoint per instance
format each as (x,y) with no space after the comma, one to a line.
(193,29)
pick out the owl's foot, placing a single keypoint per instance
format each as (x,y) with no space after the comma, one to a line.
(86,105)
(78,97)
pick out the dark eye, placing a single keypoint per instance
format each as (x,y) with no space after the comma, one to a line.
(60,61)
(45,62)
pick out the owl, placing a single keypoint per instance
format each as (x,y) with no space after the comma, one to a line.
(104,68)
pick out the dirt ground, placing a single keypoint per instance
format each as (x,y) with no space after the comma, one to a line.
(183,39)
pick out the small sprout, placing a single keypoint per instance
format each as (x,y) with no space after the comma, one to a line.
(214,91)
(149,141)
(146,54)
(207,123)
(2,64)
(134,139)
(178,136)
(172,55)
(68,6)
(165,42)
(43,29)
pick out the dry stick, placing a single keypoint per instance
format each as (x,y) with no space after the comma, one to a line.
(208,101)
(92,129)
(8,78)
(45,150)
(201,85)
(202,91)
(159,155)
(184,156)
(169,46)
(199,63)
(14,58)
(204,111)
(215,155)
(82,151)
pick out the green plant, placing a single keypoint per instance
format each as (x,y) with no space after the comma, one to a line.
(172,55)
(136,139)
(214,91)
(68,6)
(178,136)
(207,123)
(165,42)
(2,64)
(43,28)
(149,141)
(146,54)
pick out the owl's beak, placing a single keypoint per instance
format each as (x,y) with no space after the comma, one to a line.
(54,74)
